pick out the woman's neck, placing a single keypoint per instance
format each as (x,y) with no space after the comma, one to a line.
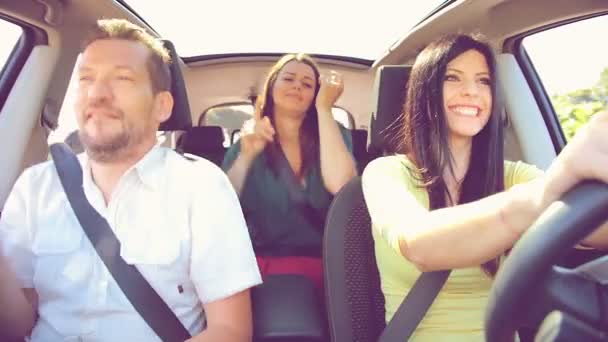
(288,127)
(460,149)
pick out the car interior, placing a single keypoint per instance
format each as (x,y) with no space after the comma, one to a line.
(215,93)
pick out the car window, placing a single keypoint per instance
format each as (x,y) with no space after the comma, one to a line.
(572,64)
(343,116)
(231,117)
(10,36)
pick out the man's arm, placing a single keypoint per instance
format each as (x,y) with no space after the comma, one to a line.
(223,265)
(19,306)
(18,299)
(228,320)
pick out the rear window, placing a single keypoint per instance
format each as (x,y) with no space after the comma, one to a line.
(231,117)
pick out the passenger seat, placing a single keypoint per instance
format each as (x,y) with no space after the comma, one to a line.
(204,141)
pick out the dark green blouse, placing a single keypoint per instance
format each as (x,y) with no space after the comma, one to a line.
(279,227)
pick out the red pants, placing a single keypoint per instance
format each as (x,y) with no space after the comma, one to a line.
(310,267)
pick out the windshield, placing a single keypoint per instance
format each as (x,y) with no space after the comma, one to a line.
(331,27)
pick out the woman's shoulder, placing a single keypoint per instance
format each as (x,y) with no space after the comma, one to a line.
(398,165)
(397,161)
(517,172)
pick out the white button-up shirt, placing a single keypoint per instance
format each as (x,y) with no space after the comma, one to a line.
(179,222)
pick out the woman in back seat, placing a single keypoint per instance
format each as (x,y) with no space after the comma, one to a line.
(289,162)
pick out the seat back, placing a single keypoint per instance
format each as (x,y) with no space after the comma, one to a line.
(354,300)
(360,148)
(181,118)
(387,105)
(204,141)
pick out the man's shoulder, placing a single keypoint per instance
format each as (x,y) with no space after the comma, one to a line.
(193,168)
(41,172)
(39,180)
(197,180)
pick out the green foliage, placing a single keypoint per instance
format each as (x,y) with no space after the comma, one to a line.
(575,108)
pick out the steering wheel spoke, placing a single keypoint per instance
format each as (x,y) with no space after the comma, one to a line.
(572,293)
(561,327)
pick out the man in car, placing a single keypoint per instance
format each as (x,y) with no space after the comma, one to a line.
(179,222)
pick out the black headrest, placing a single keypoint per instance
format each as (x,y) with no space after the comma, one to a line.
(360,148)
(180,119)
(358,134)
(387,104)
(359,140)
(202,138)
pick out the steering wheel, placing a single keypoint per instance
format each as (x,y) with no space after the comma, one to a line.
(528,284)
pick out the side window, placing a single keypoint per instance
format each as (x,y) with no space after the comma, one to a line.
(10,36)
(231,117)
(344,117)
(572,65)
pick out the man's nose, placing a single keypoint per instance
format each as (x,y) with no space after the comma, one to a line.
(100,89)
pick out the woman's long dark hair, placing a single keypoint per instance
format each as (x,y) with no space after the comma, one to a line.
(426,132)
(309,131)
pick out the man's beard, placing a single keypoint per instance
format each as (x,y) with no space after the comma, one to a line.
(110,150)
(116,148)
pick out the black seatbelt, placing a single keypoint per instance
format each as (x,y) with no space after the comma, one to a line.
(138,291)
(414,306)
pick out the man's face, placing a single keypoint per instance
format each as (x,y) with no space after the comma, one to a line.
(116,108)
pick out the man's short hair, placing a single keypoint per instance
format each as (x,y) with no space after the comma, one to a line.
(159,59)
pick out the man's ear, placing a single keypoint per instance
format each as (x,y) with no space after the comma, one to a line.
(164,101)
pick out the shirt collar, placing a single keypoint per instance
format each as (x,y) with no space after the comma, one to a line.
(149,169)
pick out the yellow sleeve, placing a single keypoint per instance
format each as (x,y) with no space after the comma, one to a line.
(520,172)
(392,197)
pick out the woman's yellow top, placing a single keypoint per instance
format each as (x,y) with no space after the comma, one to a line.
(457,312)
